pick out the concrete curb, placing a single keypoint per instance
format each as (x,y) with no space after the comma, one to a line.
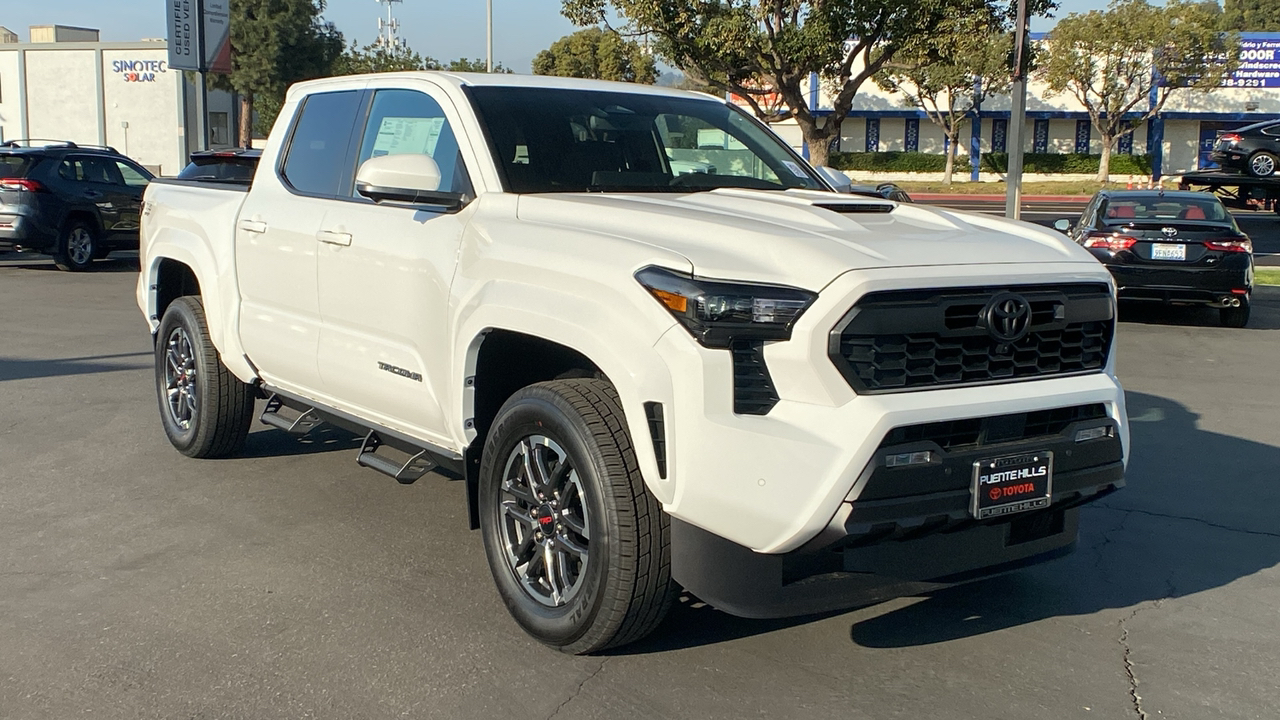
(942,197)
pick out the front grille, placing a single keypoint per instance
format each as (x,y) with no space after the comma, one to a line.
(753,391)
(978,432)
(915,339)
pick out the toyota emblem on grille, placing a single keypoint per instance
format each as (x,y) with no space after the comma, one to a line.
(1169,231)
(1008,317)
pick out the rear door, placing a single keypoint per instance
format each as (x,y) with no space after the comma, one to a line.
(133,182)
(276,241)
(385,272)
(87,183)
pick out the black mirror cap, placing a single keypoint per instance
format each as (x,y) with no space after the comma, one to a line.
(451,202)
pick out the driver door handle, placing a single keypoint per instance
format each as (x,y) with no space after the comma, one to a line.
(92,194)
(334,238)
(257,227)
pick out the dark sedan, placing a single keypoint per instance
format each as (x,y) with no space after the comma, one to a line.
(1253,148)
(1171,247)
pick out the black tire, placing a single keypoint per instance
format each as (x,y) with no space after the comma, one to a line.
(77,246)
(622,588)
(1263,164)
(1236,317)
(211,409)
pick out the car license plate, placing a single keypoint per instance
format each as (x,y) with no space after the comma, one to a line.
(1168,251)
(1012,484)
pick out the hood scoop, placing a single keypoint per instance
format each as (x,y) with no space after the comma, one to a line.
(856,208)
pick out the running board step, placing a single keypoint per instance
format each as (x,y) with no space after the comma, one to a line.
(306,421)
(406,473)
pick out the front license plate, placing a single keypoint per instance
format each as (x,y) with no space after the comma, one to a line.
(1012,484)
(1168,251)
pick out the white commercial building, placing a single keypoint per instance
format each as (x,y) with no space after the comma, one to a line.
(118,94)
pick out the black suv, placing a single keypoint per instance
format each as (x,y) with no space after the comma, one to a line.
(1255,148)
(74,202)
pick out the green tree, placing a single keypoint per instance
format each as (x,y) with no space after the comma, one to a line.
(378,57)
(274,44)
(1111,61)
(478,65)
(599,54)
(947,73)
(759,49)
(1253,15)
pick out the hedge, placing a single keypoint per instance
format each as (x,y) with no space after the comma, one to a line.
(1046,163)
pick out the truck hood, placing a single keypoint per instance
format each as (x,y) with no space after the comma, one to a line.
(800,238)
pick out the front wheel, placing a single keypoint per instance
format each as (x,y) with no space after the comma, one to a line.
(1263,164)
(579,549)
(1236,317)
(206,411)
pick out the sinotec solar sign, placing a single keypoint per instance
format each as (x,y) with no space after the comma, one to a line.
(199,35)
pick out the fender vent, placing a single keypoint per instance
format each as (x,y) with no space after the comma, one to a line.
(657,433)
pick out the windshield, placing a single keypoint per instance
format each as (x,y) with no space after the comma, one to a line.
(1165,208)
(555,140)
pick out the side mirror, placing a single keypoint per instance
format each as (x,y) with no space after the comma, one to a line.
(1062,225)
(409,178)
(838,180)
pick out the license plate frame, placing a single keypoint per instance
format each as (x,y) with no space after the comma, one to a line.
(1169,251)
(1024,489)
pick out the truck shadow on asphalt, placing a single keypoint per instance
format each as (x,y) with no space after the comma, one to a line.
(265,441)
(1200,511)
(110,265)
(1265,314)
(25,369)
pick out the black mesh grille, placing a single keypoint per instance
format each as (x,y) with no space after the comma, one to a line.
(977,432)
(908,340)
(753,391)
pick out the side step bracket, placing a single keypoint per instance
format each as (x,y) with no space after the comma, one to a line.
(306,421)
(410,471)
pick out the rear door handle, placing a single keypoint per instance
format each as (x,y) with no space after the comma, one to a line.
(334,238)
(92,194)
(256,227)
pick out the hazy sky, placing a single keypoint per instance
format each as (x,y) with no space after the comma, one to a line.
(443,29)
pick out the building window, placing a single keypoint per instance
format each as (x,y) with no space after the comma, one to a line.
(1040,137)
(873,134)
(1083,128)
(219,128)
(999,135)
(911,138)
(1125,144)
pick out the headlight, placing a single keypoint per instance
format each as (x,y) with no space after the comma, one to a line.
(717,312)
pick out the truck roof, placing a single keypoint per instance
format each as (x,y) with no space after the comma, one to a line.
(460,80)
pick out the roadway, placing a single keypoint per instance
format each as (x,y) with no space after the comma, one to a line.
(1263,227)
(289,583)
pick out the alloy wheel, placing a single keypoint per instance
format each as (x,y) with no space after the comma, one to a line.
(79,246)
(180,379)
(1263,165)
(543,522)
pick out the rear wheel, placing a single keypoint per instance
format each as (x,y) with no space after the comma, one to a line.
(76,247)
(1263,164)
(206,411)
(1236,317)
(579,549)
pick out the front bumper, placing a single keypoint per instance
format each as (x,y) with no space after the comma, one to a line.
(773,483)
(1196,284)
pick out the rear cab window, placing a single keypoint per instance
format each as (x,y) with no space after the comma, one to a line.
(317,156)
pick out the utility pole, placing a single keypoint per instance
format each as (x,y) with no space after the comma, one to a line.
(1017,118)
(489,44)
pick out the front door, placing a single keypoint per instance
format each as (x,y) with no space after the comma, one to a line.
(276,242)
(385,272)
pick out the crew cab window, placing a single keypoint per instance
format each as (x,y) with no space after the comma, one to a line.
(318,149)
(407,121)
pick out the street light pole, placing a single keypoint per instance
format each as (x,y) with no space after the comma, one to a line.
(490,37)
(1017,119)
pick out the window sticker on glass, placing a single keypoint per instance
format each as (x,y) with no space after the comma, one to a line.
(795,169)
(403,135)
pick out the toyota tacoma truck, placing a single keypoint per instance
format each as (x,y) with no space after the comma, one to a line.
(739,382)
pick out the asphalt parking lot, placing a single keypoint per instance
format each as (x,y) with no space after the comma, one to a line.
(289,583)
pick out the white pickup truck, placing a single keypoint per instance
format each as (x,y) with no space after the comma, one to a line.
(737,381)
